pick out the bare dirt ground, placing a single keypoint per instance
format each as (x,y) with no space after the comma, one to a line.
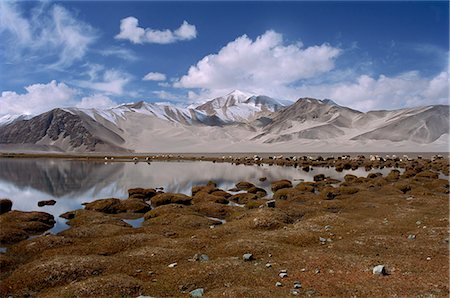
(327,236)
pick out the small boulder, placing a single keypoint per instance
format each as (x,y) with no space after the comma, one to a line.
(270,204)
(201,258)
(197,292)
(5,205)
(379,270)
(280,184)
(247,257)
(46,203)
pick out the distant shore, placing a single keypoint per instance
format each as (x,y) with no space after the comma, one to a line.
(117,156)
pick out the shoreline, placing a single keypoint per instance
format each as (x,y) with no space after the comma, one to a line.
(327,235)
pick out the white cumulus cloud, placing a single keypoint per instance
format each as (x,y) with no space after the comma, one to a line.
(37,99)
(130,30)
(154,76)
(263,65)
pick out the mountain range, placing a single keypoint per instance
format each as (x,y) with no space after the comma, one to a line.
(236,122)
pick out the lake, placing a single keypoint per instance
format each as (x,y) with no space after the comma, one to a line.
(70,182)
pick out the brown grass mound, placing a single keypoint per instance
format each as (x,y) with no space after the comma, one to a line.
(18,225)
(114,206)
(170,198)
(243,198)
(45,273)
(276,185)
(201,197)
(113,285)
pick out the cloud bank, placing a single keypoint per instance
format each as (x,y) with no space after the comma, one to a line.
(130,30)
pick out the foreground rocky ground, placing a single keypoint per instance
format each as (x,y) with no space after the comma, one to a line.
(320,238)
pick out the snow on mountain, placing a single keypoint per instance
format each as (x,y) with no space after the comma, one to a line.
(239,106)
(7,119)
(236,122)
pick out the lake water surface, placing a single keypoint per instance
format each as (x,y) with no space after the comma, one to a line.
(70,183)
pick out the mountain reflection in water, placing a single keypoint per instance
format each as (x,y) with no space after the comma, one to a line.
(70,183)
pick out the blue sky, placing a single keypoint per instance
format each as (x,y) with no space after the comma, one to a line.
(365,55)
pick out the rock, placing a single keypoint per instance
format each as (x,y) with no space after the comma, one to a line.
(297,285)
(5,205)
(46,203)
(200,258)
(319,177)
(173,265)
(280,184)
(283,274)
(295,292)
(270,204)
(379,270)
(244,185)
(197,292)
(322,240)
(247,257)
(268,265)
(278,284)
(411,237)
(170,198)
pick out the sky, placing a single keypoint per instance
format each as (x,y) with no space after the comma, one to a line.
(99,54)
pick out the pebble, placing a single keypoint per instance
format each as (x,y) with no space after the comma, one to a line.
(322,240)
(173,265)
(283,275)
(278,284)
(247,257)
(297,285)
(270,204)
(317,271)
(428,259)
(197,292)
(268,265)
(418,222)
(411,237)
(201,258)
(379,270)
(327,228)
(295,292)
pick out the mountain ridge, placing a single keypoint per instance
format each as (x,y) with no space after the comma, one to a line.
(235,122)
